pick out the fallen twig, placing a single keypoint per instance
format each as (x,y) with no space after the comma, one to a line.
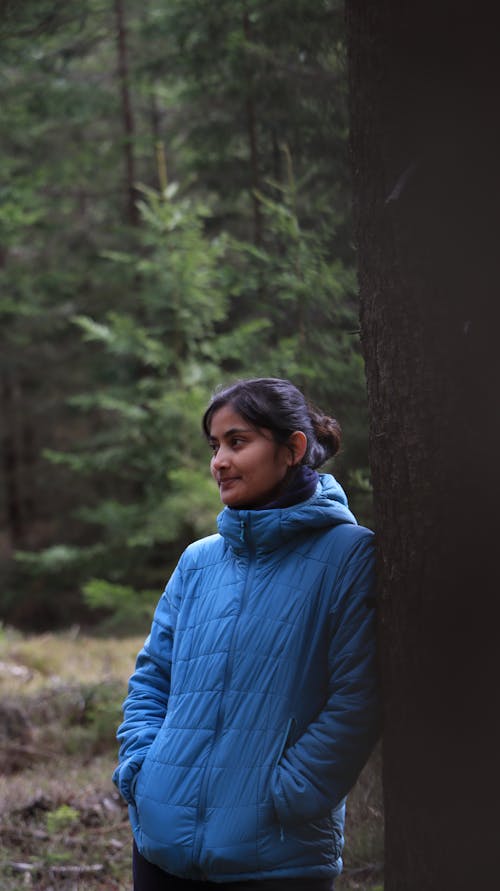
(77,870)
(58,870)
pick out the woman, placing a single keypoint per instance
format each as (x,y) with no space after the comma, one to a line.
(253,705)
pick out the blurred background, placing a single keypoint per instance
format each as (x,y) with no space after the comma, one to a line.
(174,213)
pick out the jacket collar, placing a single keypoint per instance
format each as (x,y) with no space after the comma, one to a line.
(266,529)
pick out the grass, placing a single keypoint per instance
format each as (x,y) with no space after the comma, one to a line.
(63,826)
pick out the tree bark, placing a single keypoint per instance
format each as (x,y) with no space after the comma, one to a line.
(127,114)
(425,147)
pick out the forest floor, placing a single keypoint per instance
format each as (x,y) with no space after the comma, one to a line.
(63,826)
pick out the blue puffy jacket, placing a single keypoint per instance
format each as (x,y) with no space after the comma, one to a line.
(253,704)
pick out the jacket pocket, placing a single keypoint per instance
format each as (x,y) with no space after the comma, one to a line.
(287,739)
(133,784)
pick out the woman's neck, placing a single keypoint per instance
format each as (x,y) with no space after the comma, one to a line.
(299,485)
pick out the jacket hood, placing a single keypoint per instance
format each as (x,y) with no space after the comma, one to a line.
(265,530)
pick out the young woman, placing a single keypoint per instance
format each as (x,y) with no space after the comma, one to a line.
(253,705)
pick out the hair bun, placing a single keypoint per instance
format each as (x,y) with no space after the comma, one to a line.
(328,438)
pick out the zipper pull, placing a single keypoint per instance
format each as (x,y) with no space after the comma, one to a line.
(282,834)
(242,530)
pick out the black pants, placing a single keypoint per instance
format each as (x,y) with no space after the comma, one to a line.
(148,877)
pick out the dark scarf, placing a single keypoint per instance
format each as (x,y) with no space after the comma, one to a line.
(301,485)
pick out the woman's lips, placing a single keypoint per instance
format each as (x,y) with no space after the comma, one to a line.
(227,481)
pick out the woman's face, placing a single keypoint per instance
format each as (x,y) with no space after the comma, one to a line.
(247,464)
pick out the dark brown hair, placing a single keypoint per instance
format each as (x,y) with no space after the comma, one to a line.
(280,407)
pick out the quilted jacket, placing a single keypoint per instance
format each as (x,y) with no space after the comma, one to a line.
(253,705)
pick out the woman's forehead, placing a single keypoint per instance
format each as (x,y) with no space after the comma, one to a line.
(226,420)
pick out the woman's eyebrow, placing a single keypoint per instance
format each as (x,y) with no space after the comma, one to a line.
(231,432)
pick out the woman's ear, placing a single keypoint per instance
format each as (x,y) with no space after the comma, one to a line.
(297,446)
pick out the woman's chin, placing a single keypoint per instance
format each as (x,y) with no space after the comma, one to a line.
(229,494)
(231,502)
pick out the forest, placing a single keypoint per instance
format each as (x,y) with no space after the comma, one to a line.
(176,214)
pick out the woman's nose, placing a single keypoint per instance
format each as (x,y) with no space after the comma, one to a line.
(220,459)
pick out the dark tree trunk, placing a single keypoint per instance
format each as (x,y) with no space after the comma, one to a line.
(127,115)
(12,460)
(425,147)
(252,139)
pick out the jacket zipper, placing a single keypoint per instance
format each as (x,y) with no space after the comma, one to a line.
(199,832)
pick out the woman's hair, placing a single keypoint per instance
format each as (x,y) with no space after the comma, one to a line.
(281,408)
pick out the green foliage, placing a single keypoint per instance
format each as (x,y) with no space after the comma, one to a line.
(55,559)
(127,607)
(114,336)
(304,331)
(60,819)
(294,314)
(151,449)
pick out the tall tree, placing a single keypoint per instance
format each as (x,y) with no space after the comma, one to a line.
(425,144)
(61,205)
(127,114)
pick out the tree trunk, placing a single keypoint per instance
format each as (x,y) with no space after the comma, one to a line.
(11,450)
(127,115)
(425,148)
(252,139)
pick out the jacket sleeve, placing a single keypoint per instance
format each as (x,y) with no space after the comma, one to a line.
(145,707)
(315,773)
